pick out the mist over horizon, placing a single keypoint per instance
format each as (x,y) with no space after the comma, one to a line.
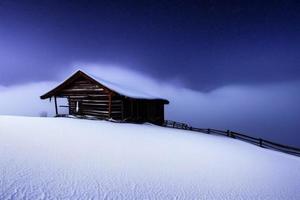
(222,65)
(269,111)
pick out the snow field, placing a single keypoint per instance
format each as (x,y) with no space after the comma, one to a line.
(62,158)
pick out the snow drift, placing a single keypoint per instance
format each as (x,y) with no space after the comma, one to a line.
(61,158)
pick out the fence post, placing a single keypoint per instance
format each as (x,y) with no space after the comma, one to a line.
(232,134)
(260,142)
(208,131)
(228,133)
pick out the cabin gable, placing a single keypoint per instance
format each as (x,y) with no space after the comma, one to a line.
(82,86)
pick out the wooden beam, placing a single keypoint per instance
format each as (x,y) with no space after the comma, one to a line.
(137,110)
(55,101)
(122,110)
(69,104)
(131,109)
(109,105)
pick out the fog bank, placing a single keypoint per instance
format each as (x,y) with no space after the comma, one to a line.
(270,111)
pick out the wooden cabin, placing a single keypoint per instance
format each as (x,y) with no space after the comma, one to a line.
(90,96)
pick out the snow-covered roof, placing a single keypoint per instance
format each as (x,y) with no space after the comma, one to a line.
(119,88)
(124,89)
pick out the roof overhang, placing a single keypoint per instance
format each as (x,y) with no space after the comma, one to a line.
(55,91)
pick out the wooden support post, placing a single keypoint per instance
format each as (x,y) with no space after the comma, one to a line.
(131,109)
(137,111)
(109,105)
(55,101)
(69,104)
(122,109)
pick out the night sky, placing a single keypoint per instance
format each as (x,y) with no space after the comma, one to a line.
(203,44)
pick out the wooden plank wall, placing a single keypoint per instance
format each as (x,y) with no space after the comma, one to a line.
(100,102)
(144,111)
(92,100)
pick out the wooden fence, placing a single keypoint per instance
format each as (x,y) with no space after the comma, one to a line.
(256,141)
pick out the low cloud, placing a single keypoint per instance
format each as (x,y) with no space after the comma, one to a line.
(25,99)
(270,111)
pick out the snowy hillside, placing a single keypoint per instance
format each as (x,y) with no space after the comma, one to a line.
(60,158)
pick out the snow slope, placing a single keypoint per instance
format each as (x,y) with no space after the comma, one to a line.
(61,158)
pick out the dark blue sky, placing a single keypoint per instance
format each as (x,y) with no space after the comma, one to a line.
(205,44)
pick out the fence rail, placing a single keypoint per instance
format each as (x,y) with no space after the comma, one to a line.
(256,141)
